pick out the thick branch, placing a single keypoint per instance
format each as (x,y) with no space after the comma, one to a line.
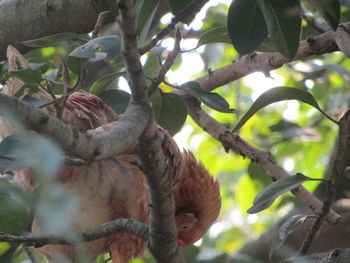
(79,144)
(156,168)
(107,229)
(238,145)
(29,19)
(265,62)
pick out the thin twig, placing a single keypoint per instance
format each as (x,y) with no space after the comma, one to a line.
(337,170)
(168,62)
(191,9)
(30,254)
(104,18)
(262,158)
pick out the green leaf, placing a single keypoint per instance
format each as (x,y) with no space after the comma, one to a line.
(279,94)
(76,64)
(215,35)
(287,228)
(103,82)
(33,101)
(212,100)
(266,197)
(109,44)
(51,40)
(145,16)
(189,253)
(28,75)
(177,5)
(9,253)
(152,66)
(246,25)
(117,99)
(283,24)
(329,10)
(172,113)
(13,216)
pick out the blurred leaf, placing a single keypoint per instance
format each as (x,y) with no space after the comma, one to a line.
(117,99)
(51,40)
(177,5)
(109,44)
(283,23)
(221,258)
(189,253)
(51,75)
(212,100)
(266,197)
(103,82)
(28,75)
(173,113)
(29,150)
(329,10)
(246,25)
(145,17)
(156,99)
(279,94)
(287,228)
(152,66)
(13,216)
(9,253)
(258,175)
(76,64)
(33,101)
(215,35)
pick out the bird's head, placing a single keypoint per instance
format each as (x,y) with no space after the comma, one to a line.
(197,200)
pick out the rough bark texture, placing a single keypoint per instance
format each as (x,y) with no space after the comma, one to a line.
(24,20)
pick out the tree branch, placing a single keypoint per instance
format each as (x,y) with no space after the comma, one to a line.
(265,62)
(128,225)
(238,145)
(19,19)
(156,168)
(337,171)
(80,144)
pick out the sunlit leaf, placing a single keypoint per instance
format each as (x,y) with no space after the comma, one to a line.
(117,99)
(329,10)
(8,253)
(172,113)
(103,82)
(279,94)
(283,23)
(212,100)
(109,44)
(51,40)
(266,197)
(287,228)
(246,25)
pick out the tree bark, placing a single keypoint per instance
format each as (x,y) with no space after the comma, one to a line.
(30,19)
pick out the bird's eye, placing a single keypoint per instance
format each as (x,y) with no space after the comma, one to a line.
(185,227)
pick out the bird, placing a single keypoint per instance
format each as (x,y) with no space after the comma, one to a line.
(116,188)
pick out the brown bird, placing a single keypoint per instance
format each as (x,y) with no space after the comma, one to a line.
(111,189)
(116,188)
